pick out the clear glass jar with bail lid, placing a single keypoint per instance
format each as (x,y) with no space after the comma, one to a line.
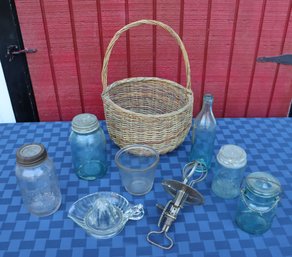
(37,180)
(257,204)
(88,147)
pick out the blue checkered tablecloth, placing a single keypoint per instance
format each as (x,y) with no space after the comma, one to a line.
(207,230)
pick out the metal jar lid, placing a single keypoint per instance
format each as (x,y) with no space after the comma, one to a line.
(263,184)
(31,154)
(85,123)
(232,156)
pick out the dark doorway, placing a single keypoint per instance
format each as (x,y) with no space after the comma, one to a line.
(14,64)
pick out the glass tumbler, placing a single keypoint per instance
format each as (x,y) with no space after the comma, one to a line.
(230,165)
(137,164)
(257,204)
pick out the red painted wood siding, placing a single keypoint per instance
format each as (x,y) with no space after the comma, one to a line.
(223,39)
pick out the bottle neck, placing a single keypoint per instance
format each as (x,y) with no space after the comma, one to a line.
(207,103)
(205,118)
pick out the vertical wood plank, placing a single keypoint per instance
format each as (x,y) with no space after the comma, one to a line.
(167,49)
(88,43)
(181,35)
(63,55)
(236,11)
(141,39)
(195,19)
(128,45)
(270,45)
(221,25)
(113,19)
(283,84)
(206,48)
(32,28)
(76,53)
(245,44)
(154,40)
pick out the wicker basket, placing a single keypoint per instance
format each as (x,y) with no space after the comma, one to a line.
(147,110)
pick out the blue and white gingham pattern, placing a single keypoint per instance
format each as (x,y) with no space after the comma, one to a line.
(206,230)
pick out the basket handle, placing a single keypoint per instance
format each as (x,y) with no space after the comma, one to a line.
(135,24)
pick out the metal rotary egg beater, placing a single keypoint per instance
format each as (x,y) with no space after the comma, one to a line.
(183,193)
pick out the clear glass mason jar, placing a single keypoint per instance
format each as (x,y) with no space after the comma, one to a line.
(257,204)
(37,180)
(88,147)
(228,172)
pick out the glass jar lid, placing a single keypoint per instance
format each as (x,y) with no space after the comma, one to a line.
(263,184)
(85,123)
(232,156)
(31,154)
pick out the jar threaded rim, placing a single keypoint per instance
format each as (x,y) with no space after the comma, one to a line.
(31,154)
(85,123)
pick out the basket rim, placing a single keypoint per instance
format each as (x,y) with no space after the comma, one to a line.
(189,93)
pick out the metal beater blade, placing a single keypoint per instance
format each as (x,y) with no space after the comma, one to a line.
(182,193)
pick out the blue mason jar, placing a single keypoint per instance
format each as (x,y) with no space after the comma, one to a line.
(257,204)
(37,180)
(88,147)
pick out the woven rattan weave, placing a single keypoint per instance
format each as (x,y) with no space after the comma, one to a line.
(147,110)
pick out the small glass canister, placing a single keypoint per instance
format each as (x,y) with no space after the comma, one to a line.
(230,166)
(257,204)
(37,180)
(88,147)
